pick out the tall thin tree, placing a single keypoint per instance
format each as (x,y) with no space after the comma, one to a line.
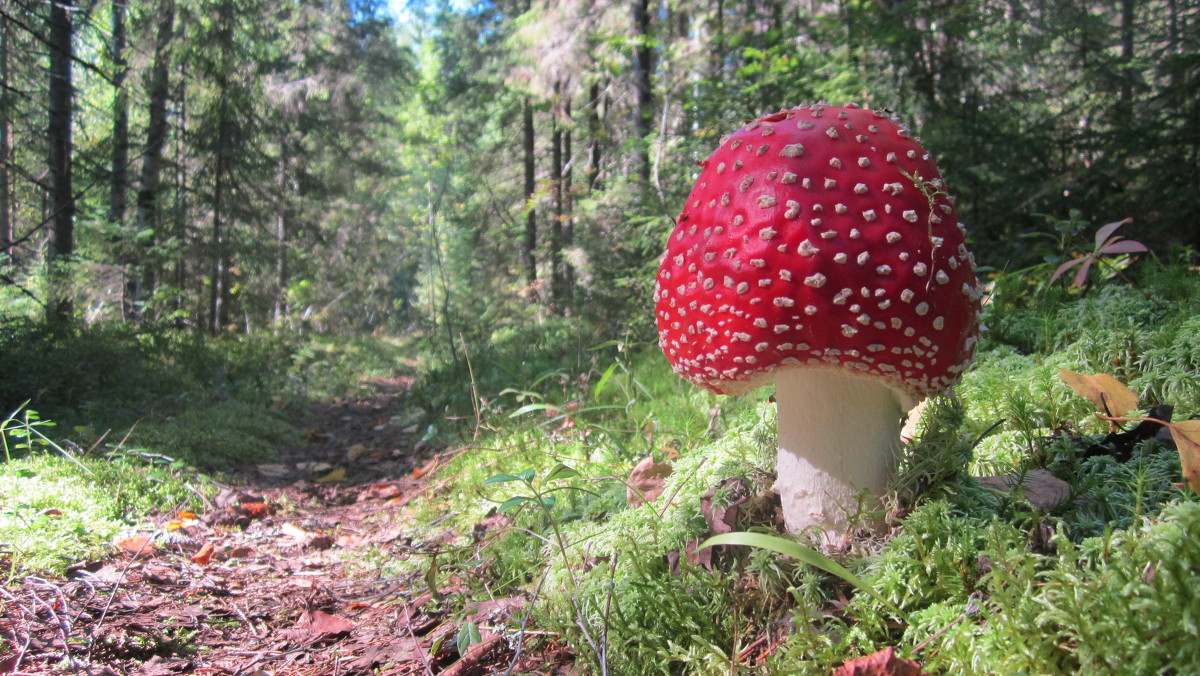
(60,203)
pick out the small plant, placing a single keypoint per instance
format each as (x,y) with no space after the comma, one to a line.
(1107,245)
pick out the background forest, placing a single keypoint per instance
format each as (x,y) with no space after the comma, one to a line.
(226,223)
(478,169)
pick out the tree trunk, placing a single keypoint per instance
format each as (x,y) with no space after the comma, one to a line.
(529,244)
(60,204)
(8,224)
(142,280)
(595,135)
(218,305)
(643,68)
(119,179)
(568,197)
(556,192)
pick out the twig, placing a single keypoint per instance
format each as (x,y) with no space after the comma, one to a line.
(525,622)
(64,627)
(416,641)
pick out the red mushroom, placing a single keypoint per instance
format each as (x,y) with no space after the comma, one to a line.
(820,250)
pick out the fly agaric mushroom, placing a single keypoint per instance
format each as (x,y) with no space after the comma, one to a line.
(820,250)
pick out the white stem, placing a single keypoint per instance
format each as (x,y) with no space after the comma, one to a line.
(839,435)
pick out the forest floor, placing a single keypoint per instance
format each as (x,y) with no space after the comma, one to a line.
(269,578)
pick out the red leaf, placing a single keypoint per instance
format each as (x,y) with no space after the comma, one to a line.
(1064,267)
(1105,231)
(1119,246)
(203,556)
(882,663)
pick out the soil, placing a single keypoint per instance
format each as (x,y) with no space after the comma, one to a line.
(274,576)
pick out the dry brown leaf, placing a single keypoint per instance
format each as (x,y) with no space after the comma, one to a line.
(324,624)
(646,481)
(881,663)
(137,545)
(1108,394)
(203,556)
(1186,435)
(1042,489)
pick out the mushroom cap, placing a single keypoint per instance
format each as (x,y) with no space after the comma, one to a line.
(820,236)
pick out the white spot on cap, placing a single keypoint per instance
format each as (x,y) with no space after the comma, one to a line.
(920,269)
(840,208)
(745,184)
(860,189)
(766,201)
(768,232)
(810,310)
(922,309)
(907,295)
(840,257)
(788,177)
(816,222)
(863,258)
(792,150)
(942,277)
(909,215)
(835,163)
(783,301)
(893,237)
(807,249)
(831,132)
(793,209)
(816,280)
(848,331)
(830,184)
(939,323)
(884,269)
(864,162)
(758,262)
(743,287)
(870,215)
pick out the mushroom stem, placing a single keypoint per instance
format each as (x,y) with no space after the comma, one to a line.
(839,436)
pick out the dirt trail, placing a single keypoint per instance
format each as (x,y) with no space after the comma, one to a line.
(268,578)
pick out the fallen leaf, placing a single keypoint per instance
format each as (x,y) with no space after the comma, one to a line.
(273,470)
(355,452)
(1042,489)
(881,663)
(186,516)
(1108,394)
(426,468)
(256,510)
(1186,436)
(722,518)
(137,545)
(646,481)
(323,624)
(203,556)
(333,477)
(314,466)
(295,531)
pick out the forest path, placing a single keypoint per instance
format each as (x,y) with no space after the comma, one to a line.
(279,574)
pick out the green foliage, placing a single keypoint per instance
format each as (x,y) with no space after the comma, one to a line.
(60,506)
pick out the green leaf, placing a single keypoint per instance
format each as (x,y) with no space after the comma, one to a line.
(604,380)
(499,479)
(800,553)
(530,407)
(561,471)
(526,475)
(468,635)
(512,503)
